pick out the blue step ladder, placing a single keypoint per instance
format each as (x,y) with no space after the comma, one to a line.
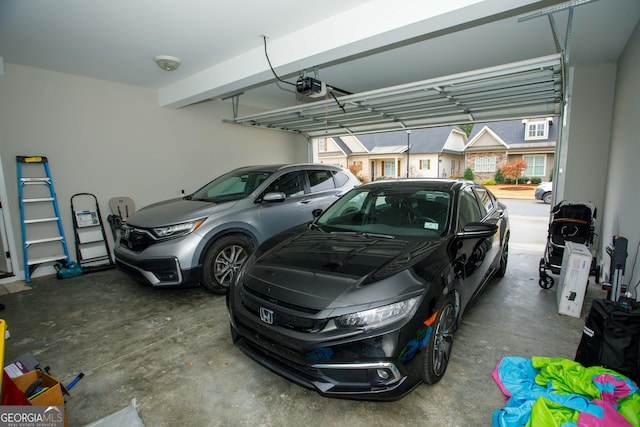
(42,242)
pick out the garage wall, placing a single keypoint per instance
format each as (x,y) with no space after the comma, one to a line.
(622,194)
(590,127)
(586,138)
(114,140)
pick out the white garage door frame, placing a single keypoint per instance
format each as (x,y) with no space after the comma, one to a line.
(524,89)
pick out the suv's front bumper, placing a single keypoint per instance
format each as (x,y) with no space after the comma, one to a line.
(158,272)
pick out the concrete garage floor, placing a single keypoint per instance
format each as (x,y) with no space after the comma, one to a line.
(171,350)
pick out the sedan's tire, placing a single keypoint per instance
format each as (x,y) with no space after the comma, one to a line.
(504,258)
(438,351)
(223,260)
(546,197)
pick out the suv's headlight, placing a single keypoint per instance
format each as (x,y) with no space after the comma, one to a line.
(377,317)
(176,230)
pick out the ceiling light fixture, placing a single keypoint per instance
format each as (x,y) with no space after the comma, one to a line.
(167,63)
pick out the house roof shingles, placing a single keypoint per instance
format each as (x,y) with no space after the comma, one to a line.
(512,131)
(427,140)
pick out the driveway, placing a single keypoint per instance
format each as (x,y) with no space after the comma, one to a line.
(529,225)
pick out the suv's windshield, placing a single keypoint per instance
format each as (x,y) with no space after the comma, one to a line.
(392,212)
(234,185)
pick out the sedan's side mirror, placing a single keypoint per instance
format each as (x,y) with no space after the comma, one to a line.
(478,230)
(273,197)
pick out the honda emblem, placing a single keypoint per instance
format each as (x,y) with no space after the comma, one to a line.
(266,315)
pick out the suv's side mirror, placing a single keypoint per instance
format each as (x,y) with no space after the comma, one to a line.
(273,197)
(316,213)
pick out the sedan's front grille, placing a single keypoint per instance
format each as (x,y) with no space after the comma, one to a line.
(285,315)
(261,296)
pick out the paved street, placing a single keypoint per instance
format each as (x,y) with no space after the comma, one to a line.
(529,224)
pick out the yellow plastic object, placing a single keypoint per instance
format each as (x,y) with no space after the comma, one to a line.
(33,159)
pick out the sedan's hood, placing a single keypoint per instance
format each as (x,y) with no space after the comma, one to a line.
(175,211)
(321,270)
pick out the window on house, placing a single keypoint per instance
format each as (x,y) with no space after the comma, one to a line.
(485,164)
(389,168)
(425,164)
(535,165)
(322,144)
(537,130)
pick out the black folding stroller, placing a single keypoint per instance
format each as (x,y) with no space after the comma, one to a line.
(570,222)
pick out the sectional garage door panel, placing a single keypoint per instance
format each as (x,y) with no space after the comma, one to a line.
(528,88)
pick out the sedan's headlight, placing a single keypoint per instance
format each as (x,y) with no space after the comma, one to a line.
(377,317)
(176,230)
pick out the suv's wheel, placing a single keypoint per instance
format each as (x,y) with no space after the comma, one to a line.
(223,260)
(438,351)
(546,197)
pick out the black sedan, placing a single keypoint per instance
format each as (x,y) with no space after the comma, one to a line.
(363,302)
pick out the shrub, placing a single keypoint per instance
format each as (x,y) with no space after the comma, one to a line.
(468,174)
(536,180)
(499,178)
(488,182)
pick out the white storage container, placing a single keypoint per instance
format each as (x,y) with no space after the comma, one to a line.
(574,277)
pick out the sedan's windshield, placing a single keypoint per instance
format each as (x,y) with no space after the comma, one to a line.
(401,212)
(231,186)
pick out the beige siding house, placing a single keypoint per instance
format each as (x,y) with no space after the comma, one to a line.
(445,152)
(492,145)
(426,153)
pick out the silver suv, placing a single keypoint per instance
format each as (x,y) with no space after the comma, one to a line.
(206,236)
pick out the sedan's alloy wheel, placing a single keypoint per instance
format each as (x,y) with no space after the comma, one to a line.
(439,350)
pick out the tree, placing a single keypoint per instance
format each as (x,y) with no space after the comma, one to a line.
(468,174)
(466,128)
(355,169)
(514,169)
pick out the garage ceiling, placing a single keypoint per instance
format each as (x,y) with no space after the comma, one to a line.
(390,55)
(528,88)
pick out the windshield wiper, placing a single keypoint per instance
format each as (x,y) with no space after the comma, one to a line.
(378,235)
(365,234)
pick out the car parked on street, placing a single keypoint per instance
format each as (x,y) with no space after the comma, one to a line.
(206,236)
(544,192)
(364,301)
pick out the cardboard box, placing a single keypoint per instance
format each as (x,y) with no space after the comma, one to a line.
(574,277)
(51,397)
